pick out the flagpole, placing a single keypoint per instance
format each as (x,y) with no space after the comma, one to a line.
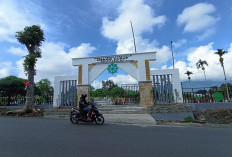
(133,36)
(172,57)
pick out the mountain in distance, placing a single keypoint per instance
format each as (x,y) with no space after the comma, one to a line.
(202,84)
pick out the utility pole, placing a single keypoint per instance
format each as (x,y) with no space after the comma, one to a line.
(172,57)
(133,36)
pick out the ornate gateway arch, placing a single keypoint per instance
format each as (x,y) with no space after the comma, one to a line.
(136,65)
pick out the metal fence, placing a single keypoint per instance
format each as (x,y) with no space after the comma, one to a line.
(204,95)
(131,94)
(21,100)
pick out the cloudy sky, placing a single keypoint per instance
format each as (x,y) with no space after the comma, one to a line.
(96,27)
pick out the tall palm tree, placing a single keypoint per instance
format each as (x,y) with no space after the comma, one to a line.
(221,52)
(189,73)
(200,64)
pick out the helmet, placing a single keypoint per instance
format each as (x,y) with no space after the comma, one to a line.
(84,95)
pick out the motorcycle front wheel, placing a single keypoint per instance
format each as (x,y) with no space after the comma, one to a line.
(74,118)
(99,120)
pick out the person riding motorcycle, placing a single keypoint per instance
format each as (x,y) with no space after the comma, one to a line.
(84,106)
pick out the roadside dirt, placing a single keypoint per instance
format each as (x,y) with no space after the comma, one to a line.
(219,116)
(6,112)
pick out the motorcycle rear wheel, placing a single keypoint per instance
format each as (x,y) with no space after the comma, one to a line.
(74,118)
(99,120)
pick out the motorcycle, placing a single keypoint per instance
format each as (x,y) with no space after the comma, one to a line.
(77,115)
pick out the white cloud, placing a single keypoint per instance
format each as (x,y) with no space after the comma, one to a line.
(199,18)
(96,84)
(119,79)
(213,70)
(143,45)
(136,11)
(5,68)
(230,49)
(17,51)
(206,34)
(81,51)
(127,46)
(123,79)
(14,16)
(144,20)
(55,61)
(179,43)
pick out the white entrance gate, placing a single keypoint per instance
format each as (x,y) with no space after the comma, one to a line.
(136,65)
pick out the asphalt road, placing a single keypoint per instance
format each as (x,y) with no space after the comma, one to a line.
(37,137)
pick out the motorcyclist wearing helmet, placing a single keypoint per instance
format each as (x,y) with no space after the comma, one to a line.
(84,106)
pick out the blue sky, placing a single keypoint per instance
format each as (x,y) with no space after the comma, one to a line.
(94,27)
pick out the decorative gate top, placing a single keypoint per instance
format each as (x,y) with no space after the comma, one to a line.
(136,65)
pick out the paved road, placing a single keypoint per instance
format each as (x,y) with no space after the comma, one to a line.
(33,137)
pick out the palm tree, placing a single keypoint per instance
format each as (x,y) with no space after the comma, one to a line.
(200,64)
(189,73)
(221,52)
(31,37)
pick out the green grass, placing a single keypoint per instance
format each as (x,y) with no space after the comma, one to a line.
(189,119)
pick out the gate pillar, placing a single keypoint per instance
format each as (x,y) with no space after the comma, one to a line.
(146,93)
(83,89)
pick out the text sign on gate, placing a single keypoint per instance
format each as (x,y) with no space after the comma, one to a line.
(110,59)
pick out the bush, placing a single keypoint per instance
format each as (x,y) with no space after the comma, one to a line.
(189,119)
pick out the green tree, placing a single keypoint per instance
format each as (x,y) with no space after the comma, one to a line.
(108,85)
(223,88)
(31,37)
(220,53)
(200,64)
(12,86)
(44,87)
(188,73)
(117,92)
(99,93)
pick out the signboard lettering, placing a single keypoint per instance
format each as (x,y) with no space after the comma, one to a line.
(109,59)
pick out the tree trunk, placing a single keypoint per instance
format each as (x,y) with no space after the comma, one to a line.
(205,78)
(227,90)
(30,91)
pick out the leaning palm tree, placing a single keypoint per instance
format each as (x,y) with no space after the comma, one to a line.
(189,73)
(221,52)
(200,64)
